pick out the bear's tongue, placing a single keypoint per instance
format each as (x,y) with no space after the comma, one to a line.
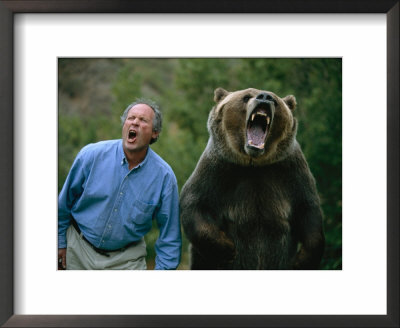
(256,134)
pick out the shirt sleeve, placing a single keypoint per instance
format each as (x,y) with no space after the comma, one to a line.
(169,243)
(70,193)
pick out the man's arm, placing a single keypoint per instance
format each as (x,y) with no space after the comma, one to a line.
(169,243)
(72,189)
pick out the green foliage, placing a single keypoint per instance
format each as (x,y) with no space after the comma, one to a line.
(93,93)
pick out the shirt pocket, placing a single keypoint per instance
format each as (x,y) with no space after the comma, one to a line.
(142,212)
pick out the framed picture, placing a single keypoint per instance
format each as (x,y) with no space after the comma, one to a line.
(223,299)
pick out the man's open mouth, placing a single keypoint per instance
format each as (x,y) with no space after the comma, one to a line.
(258,126)
(131,135)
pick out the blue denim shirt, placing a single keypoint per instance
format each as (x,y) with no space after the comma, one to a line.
(114,206)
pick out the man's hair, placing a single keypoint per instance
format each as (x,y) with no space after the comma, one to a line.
(157,121)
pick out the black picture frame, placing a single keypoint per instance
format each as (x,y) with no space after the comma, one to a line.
(11,7)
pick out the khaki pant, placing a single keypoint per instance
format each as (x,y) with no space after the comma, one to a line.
(80,256)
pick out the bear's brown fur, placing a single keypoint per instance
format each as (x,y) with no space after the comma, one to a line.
(251,202)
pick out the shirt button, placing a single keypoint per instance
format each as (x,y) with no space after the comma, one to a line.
(115,210)
(121,193)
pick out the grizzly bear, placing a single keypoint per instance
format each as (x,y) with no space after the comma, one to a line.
(251,202)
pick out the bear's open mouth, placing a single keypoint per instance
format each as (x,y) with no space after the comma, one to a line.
(257,127)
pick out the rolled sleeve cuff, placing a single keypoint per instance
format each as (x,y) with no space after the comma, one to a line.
(159,267)
(62,241)
(161,264)
(63,224)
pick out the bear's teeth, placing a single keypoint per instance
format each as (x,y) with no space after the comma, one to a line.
(261,146)
(258,114)
(268,120)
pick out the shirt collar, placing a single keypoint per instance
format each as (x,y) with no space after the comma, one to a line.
(125,161)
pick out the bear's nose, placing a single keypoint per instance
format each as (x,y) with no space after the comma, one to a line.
(263,96)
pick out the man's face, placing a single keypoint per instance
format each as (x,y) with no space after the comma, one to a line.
(137,130)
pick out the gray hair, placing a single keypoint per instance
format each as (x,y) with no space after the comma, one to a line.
(157,121)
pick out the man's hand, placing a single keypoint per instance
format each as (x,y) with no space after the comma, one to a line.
(62,255)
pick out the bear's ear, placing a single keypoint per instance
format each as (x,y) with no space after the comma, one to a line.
(290,102)
(220,94)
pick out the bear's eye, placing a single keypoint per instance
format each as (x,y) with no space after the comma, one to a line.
(246,99)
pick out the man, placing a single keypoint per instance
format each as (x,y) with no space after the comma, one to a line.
(113,191)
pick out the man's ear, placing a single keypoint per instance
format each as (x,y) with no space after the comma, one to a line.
(154,136)
(220,94)
(290,102)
